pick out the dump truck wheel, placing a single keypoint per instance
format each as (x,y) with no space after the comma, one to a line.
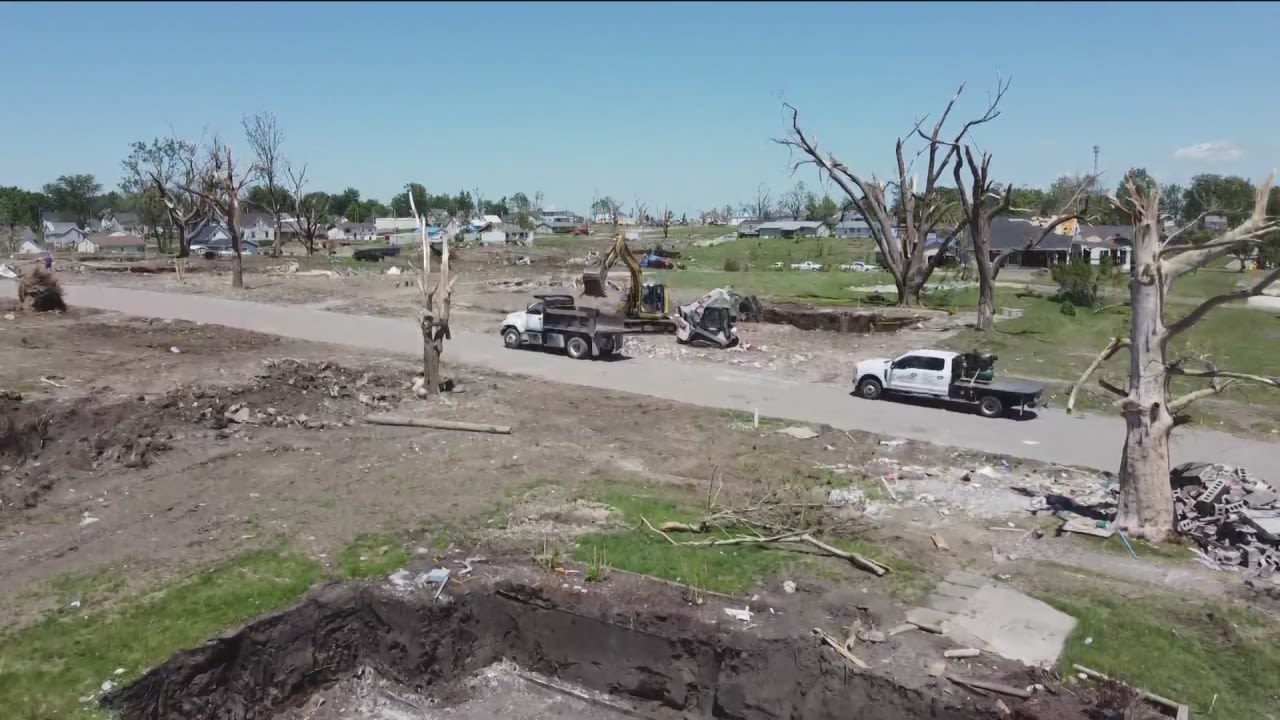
(511,338)
(577,348)
(870,388)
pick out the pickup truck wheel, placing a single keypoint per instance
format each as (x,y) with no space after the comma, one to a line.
(511,338)
(870,388)
(577,348)
(990,407)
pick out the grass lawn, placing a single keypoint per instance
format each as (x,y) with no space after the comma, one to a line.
(1200,654)
(760,254)
(829,288)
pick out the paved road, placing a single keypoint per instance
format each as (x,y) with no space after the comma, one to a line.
(1052,437)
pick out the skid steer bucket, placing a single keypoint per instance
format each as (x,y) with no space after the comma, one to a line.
(591,284)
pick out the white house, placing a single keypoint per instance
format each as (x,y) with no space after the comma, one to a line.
(29,246)
(393,225)
(62,235)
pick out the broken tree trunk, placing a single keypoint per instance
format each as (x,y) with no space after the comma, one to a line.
(433,318)
(1146,498)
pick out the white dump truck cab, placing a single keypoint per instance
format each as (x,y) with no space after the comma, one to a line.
(553,321)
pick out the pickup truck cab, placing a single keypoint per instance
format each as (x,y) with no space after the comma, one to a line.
(965,377)
(553,321)
(807,265)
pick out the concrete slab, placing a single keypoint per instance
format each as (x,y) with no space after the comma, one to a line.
(956,591)
(1014,625)
(967,579)
(927,616)
(946,604)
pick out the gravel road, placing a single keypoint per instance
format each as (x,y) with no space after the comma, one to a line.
(1051,436)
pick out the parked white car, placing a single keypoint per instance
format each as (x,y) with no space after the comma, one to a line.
(858,267)
(806,265)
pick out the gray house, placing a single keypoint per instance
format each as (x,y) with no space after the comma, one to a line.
(793,229)
(853,228)
(62,235)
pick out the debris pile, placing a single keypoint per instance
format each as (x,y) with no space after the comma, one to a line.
(1235,518)
(39,290)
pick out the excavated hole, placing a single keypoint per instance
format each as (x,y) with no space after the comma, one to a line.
(358,650)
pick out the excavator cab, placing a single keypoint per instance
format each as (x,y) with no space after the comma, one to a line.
(645,304)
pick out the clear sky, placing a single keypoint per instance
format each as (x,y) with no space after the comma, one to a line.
(673,103)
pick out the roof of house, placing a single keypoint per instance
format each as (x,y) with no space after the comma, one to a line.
(1015,234)
(790,225)
(60,228)
(23,234)
(253,218)
(124,218)
(116,240)
(1104,233)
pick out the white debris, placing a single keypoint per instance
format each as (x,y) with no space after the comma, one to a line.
(744,614)
(788,586)
(394,270)
(799,432)
(88,520)
(174,349)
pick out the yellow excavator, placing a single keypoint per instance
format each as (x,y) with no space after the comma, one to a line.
(646,306)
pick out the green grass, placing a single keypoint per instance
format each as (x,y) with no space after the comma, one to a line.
(372,556)
(1182,649)
(731,569)
(829,288)
(45,669)
(761,254)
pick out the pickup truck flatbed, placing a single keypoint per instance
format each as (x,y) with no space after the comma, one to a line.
(965,377)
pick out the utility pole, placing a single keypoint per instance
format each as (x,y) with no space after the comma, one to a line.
(1096,151)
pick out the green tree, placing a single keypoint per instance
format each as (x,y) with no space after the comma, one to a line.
(1231,196)
(1031,200)
(74,194)
(1171,199)
(261,197)
(342,203)
(1142,181)
(401,206)
(824,210)
(17,208)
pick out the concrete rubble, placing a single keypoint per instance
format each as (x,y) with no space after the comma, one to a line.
(1234,517)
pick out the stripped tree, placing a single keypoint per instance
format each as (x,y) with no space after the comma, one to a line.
(1151,411)
(924,209)
(312,208)
(265,138)
(433,318)
(981,203)
(168,167)
(220,185)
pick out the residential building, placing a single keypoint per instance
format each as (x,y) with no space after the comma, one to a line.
(1097,242)
(212,236)
(259,227)
(559,221)
(852,228)
(792,229)
(392,225)
(62,235)
(747,228)
(1013,235)
(1215,223)
(120,222)
(118,243)
(346,233)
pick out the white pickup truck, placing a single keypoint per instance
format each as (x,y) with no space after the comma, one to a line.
(964,377)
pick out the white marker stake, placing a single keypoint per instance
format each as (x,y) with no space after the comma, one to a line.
(755,422)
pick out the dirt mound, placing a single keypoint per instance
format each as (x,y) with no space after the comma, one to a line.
(842,321)
(39,290)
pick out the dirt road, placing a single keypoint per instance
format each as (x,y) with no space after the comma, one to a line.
(1053,436)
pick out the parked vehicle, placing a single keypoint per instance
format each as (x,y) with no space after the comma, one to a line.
(857,267)
(965,377)
(376,253)
(553,321)
(807,265)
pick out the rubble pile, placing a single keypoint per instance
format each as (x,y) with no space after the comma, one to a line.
(1234,517)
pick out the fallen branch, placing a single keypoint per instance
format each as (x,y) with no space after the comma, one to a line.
(47,381)
(1107,353)
(857,560)
(1182,711)
(857,662)
(395,420)
(992,686)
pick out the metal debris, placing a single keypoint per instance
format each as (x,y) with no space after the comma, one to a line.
(1235,518)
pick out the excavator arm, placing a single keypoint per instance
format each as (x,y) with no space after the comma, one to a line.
(593,284)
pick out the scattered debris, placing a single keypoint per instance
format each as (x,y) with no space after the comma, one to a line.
(961,653)
(47,381)
(788,586)
(744,614)
(1182,712)
(394,270)
(40,291)
(986,685)
(1088,526)
(437,424)
(1234,517)
(174,349)
(799,432)
(872,636)
(939,543)
(801,537)
(857,662)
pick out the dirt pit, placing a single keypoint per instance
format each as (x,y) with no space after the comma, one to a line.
(515,641)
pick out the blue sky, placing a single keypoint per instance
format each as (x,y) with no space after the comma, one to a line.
(672,103)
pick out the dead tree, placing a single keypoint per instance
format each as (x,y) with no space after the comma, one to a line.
(666,222)
(433,318)
(265,138)
(1150,409)
(221,187)
(311,210)
(167,167)
(924,209)
(981,203)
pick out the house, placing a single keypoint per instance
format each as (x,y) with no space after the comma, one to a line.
(351,232)
(259,227)
(62,235)
(26,242)
(212,236)
(1012,235)
(1215,223)
(559,221)
(791,229)
(120,222)
(853,228)
(18,235)
(112,243)
(384,226)
(493,237)
(517,235)
(1093,243)
(748,228)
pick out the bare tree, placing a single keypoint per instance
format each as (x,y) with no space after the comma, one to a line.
(981,203)
(639,212)
(433,318)
(1150,410)
(312,208)
(221,185)
(923,210)
(761,207)
(792,203)
(666,222)
(265,138)
(168,168)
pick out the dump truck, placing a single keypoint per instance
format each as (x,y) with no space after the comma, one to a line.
(646,306)
(554,321)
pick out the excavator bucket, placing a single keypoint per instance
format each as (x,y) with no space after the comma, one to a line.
(591,284)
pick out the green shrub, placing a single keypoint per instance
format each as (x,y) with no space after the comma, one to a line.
(1080,282)
(732,265)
